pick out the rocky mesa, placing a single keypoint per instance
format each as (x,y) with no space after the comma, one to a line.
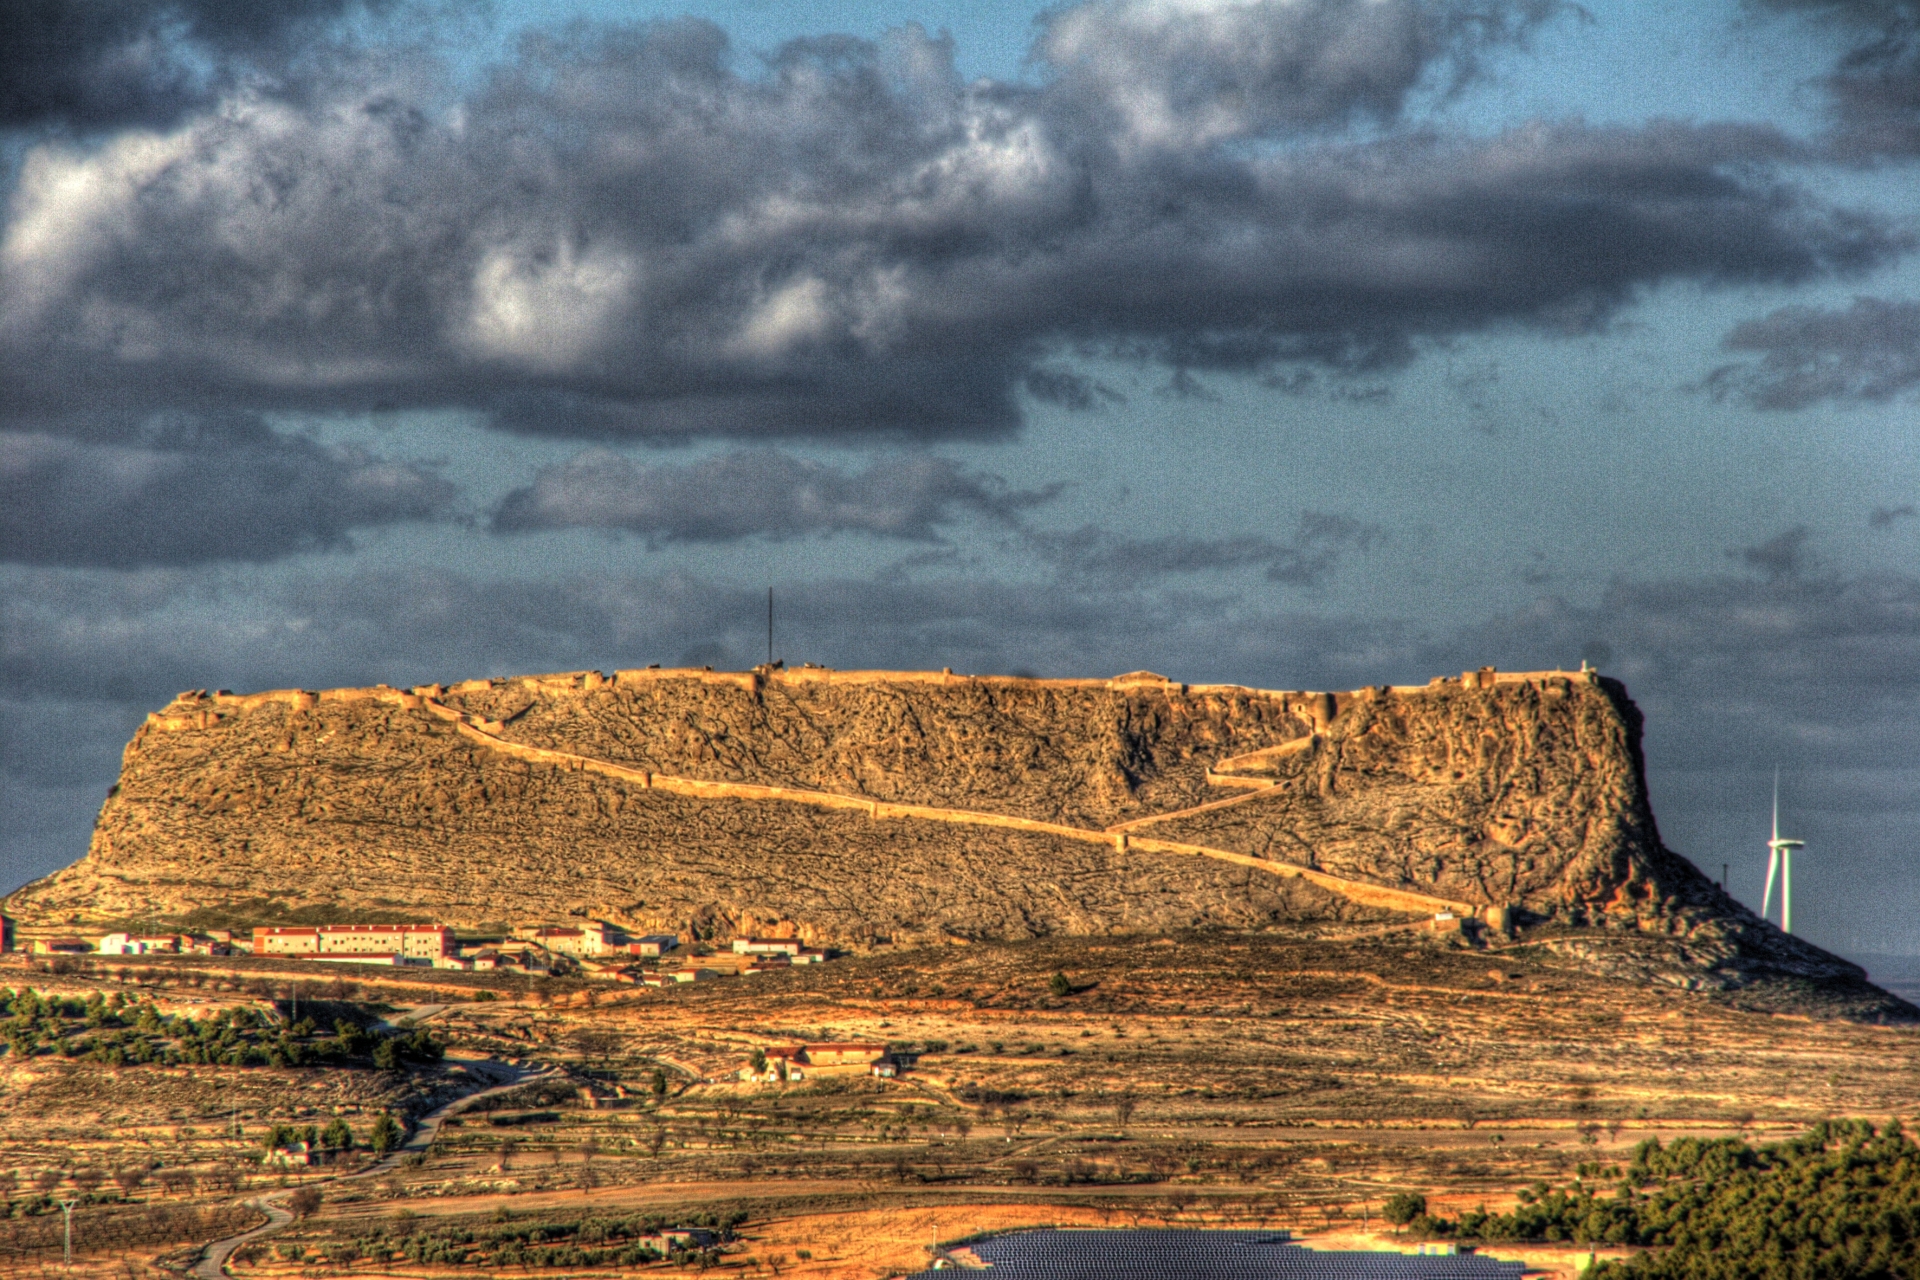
(871,807)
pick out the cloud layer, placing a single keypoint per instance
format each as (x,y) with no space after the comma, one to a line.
(621,235)
(1873,88)
(77,63)
(1869,353)
(185,492)
(756,493)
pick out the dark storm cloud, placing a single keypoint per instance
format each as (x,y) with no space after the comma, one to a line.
(90,63)
(1785,555)
(620,235)
(757,493)
(1873,87)
(191,491)
(1308,559)
(1869,352)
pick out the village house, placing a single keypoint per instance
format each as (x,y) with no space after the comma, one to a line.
(784,1065)
(522,957)
(61,947)
(766,946)
(787,1063)
(125,944)
(844,1054)
(653,945)
(678,1238)
(6,935)
(700,974)
(424,942)
(594,938)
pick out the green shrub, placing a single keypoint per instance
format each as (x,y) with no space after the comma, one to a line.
(1403,1207)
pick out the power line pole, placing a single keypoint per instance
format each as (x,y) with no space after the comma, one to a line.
(66,1207)
(769,627)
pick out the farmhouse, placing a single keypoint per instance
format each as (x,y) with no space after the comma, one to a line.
(844,1054)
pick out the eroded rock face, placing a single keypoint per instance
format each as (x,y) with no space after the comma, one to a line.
(1522,792)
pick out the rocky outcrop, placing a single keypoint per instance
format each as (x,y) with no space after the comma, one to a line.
(895,805)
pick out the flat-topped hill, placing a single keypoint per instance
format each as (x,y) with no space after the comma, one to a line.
(865,807)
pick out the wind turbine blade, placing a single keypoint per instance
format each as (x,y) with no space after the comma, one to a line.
(1776,802)
(1773,865)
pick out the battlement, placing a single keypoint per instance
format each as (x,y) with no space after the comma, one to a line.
(198,709)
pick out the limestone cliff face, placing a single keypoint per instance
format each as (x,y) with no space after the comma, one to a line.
(867,806)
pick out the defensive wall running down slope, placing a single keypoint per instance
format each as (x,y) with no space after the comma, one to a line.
(866,806)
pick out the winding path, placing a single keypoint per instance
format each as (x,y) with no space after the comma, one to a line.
(503,1076)
(1119,838)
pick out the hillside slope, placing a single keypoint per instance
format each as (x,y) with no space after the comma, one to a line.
(868,807)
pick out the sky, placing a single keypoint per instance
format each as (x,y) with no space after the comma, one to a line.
(1307,344)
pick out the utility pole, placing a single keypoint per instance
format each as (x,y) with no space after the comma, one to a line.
(769,628)
(66,1207)
(1723,876)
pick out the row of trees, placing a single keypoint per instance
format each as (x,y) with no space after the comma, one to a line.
(1840,1202)
(385,1135)
(119,1032)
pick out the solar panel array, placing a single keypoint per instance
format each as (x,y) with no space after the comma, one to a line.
(1194,1254)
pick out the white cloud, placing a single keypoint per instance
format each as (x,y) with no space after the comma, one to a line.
(70,208)
(550,310)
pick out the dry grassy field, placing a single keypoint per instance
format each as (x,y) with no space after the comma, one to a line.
(1284,1080)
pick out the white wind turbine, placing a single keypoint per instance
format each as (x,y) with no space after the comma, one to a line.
(1780,858)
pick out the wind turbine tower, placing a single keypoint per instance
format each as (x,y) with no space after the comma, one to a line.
(1780,859)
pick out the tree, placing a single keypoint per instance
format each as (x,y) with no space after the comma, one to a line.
(130,1178)
(386,1134)
(338,1135)
(87,1180)
(1059,985)
(303,1203)
(659,1083)
(1403,1207)
(386,1054)
(1123,1109)
(47,1179)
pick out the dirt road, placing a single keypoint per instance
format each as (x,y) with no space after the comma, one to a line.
(502,1077)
